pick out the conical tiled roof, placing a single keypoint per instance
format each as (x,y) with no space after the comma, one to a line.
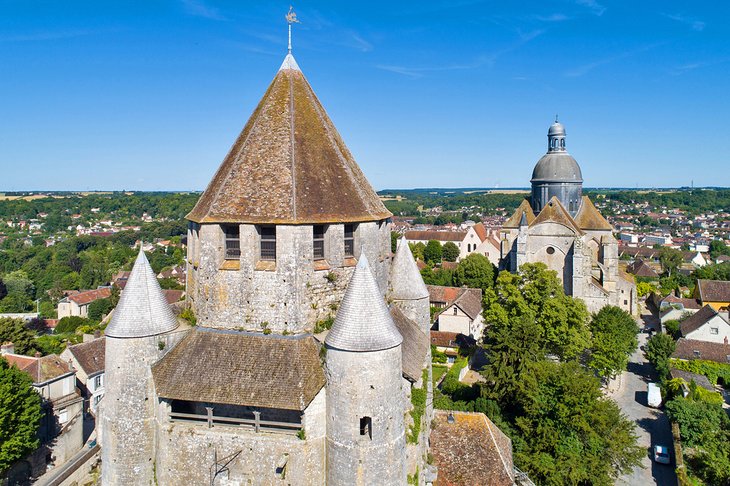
(406,282)
(363,322)
(289,166)
(590,218)
(142,310)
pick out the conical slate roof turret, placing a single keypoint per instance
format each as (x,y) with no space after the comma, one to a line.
(142,310)
(363,322)
(406,282)
(289,166)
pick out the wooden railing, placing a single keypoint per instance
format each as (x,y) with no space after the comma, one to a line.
(255,424)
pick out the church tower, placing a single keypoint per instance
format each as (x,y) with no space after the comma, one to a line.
(137,336)
(365,397)
(276,235)
(557,174)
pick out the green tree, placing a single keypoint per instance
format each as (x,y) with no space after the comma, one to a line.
(99,308)
(645,288)
(658,350)
(16,303)
(393,241)
(614,340)
(670,260)
(14,331)
(18,283)
(20,415)
(71,323)
(3,289)
(672,327)
(474,271)
(417,250)
(450,251)
(433,252)
(572,434)
(718,248)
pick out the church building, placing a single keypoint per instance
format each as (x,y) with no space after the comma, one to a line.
(311,337)
(561,227)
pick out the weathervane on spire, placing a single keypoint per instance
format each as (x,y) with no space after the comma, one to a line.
(291,18)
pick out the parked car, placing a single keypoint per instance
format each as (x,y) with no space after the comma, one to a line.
(661,454)
(653,395)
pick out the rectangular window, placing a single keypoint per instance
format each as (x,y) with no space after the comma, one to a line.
(268,242)
(349,240)
(97,382)
(366,426)
(97,399)
(318,241)
(714,330)
(233,241)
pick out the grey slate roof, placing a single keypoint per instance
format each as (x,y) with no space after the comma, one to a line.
(557,167)
(415,344)
(406,282)
(241,368)
(363,322)
(142,310)
(697,320)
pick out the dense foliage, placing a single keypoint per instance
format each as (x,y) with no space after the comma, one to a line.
(20,415)
(658,350)
(450,252)
(614,340)
(14,331)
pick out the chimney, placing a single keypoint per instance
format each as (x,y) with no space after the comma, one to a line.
(7,348)
(725,340)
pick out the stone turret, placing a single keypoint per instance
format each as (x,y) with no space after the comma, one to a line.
(276,235)
(365,395)
(407,290)
(136,337)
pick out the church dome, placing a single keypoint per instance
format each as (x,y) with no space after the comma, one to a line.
(557,167)
(556,128)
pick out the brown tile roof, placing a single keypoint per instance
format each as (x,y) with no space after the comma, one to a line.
(714,290)
(447,295)
(638,251)
(89,296)
(468,300)
(172,296)
(700,380)
(451,339)
(240,368)
(590,218)
(414,347)
(41,369)
(289,166)
(481,231)
(90,355)
(436,235)
(686,303)
(514,220)
(554,212)
(690,349)
(449,265)
(470,451)
(697,320)
(641,269)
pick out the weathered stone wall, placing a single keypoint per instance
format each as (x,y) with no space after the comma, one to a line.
(126,414)
(365,384)
(417,310)
(187,453)
(291,294)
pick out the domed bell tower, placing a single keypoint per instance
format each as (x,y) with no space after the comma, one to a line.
(557,174)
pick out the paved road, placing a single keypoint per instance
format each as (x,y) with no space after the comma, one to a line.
(652,425)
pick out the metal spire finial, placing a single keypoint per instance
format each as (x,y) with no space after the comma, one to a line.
(556,115)
(291,18)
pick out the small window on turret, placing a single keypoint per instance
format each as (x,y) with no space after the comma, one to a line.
(350,240)
(268,243)
(366,426)
(233,241)
(318,240)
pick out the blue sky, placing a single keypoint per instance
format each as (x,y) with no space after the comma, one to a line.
(150,95)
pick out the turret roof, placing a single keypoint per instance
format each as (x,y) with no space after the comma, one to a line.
(143,309)
(363,322)
(289,165)
(590,218)
(406,282)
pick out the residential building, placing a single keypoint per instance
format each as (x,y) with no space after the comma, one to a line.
(706,325)
(77,304)
(87,361)
(713,292)
(692,349)
(459,310)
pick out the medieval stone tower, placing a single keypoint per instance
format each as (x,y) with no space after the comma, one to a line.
(287,240)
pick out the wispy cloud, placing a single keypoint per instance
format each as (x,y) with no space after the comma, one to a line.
(595,7)
(46,35)
(586,68)
(359,43)
(199,8)
(556,17)
(483,60)
(695,24)
(685,68)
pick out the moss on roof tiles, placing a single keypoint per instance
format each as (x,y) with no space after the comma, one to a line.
(589,218)
(514,220)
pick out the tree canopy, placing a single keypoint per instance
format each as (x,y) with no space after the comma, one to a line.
(474,271)
(658,350)
(20,415)
(433,252)
(450,252)
(614,340)
(14,331)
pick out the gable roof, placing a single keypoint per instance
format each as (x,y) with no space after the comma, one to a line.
(90,355)
(713,290)
(240,368)
(641,269)
(554,212)
(289,166)
(471,450)
(481,231)
(700,380)
(523,208)
(697,320)
(415,344)
(89,296)
(468,300)
(589,218)
(41,369)
(691,349)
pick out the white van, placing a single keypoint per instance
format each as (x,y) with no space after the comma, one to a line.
(653,395)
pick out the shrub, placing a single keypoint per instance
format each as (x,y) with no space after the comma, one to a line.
(71,323)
